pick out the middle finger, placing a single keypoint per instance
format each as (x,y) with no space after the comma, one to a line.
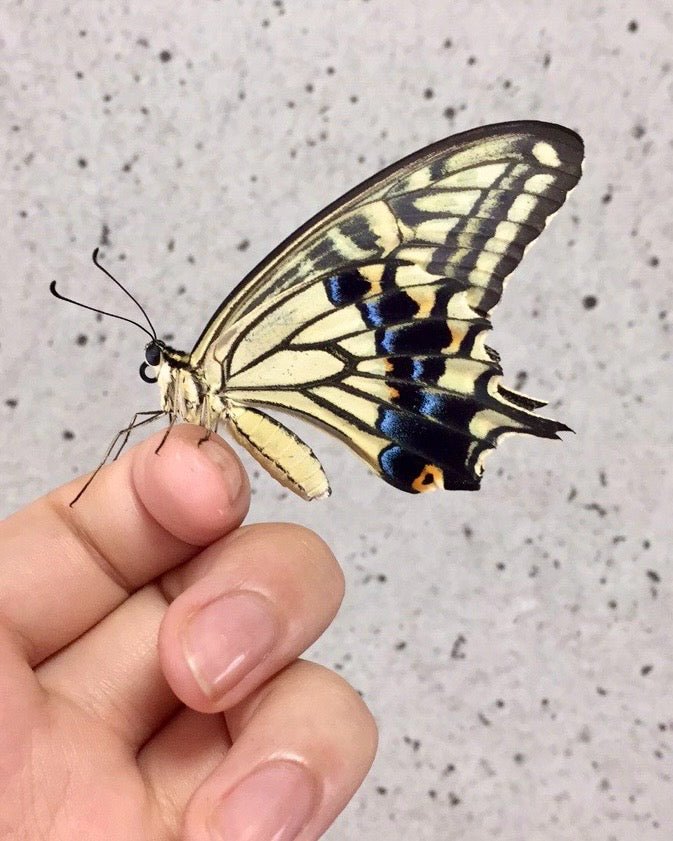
(241,610)
(234,624)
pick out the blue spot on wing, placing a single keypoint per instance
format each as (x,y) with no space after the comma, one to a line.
(346,288)
(372,315)
(423,336)
(455,411)
(421,369)
(432,441)
(432,405)
(390,308)
(386,341)
(399,467)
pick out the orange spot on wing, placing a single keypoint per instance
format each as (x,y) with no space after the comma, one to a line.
(458,333)
(428,479)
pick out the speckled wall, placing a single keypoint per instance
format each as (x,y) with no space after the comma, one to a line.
(514,645)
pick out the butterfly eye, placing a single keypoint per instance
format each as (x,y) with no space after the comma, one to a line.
(152,354)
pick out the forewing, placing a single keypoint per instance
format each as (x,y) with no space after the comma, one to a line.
(464,207)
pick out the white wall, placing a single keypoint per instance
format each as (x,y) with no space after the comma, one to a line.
(549,725)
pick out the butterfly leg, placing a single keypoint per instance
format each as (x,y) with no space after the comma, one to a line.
(173,418)
(209,420)
(129,429)
(153,415)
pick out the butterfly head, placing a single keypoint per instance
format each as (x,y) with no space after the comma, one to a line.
(166,362)
(155,353)
(184,391)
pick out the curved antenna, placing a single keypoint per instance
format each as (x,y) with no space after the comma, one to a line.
(94,257)
(56,294)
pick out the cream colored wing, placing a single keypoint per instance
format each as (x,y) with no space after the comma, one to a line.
(371,319)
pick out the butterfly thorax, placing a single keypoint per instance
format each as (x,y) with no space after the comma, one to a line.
(185,392)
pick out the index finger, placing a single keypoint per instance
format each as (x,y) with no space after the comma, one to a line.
(65,568)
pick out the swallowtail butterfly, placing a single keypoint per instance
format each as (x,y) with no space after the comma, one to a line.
(371,318)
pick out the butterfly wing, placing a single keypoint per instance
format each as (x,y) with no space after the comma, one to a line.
(371,318)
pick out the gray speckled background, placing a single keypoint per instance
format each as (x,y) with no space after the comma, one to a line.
(515,645)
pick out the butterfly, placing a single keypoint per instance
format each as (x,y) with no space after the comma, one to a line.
(371,319)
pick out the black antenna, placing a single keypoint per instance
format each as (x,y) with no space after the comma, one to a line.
(52,289)
(94,256)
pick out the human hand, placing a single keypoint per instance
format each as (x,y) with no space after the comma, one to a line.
(115,653)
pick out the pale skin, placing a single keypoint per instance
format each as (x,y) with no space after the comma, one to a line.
(133,704)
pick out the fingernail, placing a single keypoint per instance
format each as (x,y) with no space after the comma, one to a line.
(228,637)
(274,803)
(231,469)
